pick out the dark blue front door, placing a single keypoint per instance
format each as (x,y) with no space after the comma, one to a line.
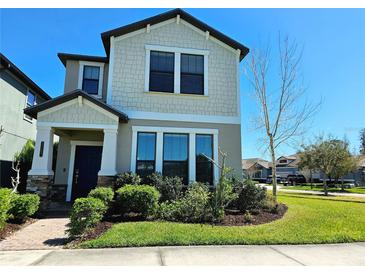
(86,168)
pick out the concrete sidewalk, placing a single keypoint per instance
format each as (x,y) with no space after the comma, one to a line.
(283,255)
(315,192)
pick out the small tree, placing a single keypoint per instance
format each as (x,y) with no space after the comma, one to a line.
(307,161)
(362,141)
(282,112)
(333,158)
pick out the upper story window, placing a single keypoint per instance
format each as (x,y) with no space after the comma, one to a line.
(176,70)
(90,80)
(31,101)
(162,71)
(91,77)
(192,74)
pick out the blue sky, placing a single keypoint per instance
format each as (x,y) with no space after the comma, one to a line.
(333,65)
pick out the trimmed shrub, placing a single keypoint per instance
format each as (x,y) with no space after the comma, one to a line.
(105,194)
(23,205)
(127,178)
(5,198)
(193,207)
(270,205)
(169,187)
(85,214)
(250,197)
(142,199)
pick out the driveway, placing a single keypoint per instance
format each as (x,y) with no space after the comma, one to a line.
(282,255)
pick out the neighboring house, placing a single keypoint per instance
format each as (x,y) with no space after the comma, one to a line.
(166,94)
(287,165)
(17,91)
(256,169)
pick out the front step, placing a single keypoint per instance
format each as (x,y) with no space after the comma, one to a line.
(58,210)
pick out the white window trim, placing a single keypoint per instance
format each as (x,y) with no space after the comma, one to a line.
(72,163)
(159,147)
(177,67)
(82,64)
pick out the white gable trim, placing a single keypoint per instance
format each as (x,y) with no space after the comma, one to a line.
(76,103)
(178,21)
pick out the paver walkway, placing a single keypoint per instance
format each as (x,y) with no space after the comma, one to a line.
(42,234)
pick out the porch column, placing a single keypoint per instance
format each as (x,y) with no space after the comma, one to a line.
(40,177)
(109,155)
(43,152)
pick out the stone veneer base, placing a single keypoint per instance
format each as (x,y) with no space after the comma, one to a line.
(41,185)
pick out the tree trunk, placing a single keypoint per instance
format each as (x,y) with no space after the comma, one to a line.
(325,185)
(273,160)
(342,186)
(310,178)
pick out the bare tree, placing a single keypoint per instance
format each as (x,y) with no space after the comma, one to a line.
(15,181)
(362,141)
(283,112)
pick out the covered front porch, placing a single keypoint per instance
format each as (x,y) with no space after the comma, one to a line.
(87,149)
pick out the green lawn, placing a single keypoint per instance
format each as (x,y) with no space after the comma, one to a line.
(360,190)
(310,219)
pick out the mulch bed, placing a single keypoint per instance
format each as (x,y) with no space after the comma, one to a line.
(10,228)
(262,217)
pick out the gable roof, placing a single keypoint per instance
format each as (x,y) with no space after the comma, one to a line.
(68,56)
(105,36)
(248,163)
(33,111)
(21,75)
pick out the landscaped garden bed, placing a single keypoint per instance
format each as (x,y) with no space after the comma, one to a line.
(16,210)
(310,219)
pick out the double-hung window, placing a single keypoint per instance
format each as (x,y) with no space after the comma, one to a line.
(161,71)
(176,70)
(192,74)
(146,153)
(176,155)
(90,80)
(204,152)
(31,101)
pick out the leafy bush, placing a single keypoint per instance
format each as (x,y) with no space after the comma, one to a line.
(247,217)
(223,196)
(23,206)
(105,194)
(270,205)
(5,198)
(85,214)
(250,196)
(193,207)
(142,199)
(127,178)
(169,187)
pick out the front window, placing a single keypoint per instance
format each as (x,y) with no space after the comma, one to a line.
(192,74)
(176,156)
(90,82)
(146,153)
(204,166)
(162,71)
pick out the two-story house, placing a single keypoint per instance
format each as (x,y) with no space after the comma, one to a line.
(17,91)
(165,96)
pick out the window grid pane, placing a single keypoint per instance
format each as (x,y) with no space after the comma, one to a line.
(146,153)
(192,74)
(204,167)
(175,155)
(162,71)
(90,82)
